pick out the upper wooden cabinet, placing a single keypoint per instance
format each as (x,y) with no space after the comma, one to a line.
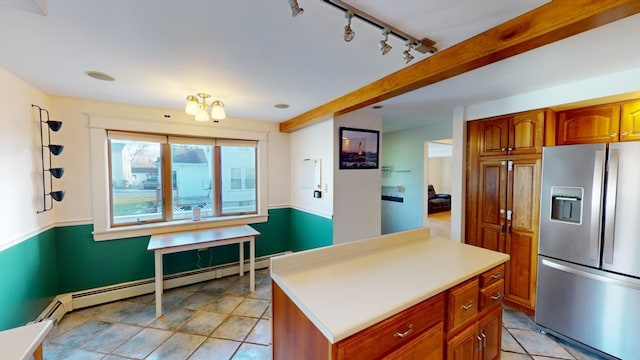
(630,121)
(510,135)
(595,124)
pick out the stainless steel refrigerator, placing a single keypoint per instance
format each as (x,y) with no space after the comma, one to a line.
(589,248)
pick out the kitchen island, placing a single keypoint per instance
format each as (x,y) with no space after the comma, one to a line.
(399,296)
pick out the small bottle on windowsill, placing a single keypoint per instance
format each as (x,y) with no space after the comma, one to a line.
(196,214)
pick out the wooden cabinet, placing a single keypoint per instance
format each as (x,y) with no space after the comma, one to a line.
(502,199)
(593,124)
(630,121)
(511,135)
(602,123)
(477,337)
(415,333)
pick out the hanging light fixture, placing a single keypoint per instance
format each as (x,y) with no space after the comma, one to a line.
(349,34)
(197,105)
(384,46)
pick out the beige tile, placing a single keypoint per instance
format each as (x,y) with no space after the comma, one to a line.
(235,328)
(509,343)
(218,349)
(536,343)
(252,352)
(203,323)
(173,320)
(261,333)
(82,333)
(251,308)
(198,300)
(223,304)
(178,347)
(143,343)
(112,338)
(514,356)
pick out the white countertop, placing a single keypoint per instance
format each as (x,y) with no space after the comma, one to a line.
(346,288)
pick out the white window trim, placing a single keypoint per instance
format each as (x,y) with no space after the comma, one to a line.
(100,175)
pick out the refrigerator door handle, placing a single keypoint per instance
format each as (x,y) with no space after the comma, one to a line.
(596,198)
(610,206)
(578,272)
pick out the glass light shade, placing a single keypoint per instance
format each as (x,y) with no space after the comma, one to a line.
(192,107)
(217,110)
(202,115)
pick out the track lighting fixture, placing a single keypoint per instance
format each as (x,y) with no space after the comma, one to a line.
(384,47)
(57,172)
(295,8)
(349,34)
(197,105)
(406,55)
(423,45)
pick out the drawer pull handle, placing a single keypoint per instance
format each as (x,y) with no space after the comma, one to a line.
(468,306)
(404,334)
(497,296)
(484,339)
(496,276)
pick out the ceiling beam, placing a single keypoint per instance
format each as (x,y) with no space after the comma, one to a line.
(551,22)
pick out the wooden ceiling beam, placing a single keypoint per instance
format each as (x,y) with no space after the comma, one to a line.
(548,23)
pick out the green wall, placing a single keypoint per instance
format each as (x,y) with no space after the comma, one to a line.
(28,280)
(309,231)
(67,259)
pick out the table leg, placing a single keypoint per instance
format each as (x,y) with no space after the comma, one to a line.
(241,244)
(159,284)
(37,355)
(252,265)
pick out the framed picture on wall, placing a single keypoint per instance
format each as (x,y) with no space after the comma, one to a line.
(359,148)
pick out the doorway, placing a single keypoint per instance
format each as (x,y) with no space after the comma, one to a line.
(437,184)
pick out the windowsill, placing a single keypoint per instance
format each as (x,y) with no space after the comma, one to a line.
(180,225)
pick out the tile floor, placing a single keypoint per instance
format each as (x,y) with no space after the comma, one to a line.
(221,319)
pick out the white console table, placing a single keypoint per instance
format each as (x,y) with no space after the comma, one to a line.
(192,240)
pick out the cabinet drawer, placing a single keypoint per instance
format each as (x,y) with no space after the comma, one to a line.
(491,295)
(388,335)
(426,346)
(489,277)
(462,304)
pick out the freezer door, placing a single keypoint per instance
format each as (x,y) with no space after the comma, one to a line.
(571,201)
(621,250)
(593,307)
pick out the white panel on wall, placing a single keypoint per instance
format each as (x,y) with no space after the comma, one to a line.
(313,143)
(357,196)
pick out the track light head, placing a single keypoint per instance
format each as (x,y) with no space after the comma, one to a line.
(406,55)
(295,8)
(349,34)
(384,47)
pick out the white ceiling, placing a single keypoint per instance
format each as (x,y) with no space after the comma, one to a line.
(253,54)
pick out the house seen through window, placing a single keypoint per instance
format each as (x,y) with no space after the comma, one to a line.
(163,178)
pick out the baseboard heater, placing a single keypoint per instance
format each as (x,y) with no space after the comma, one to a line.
(65,303)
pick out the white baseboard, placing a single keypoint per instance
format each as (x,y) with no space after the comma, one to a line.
(65,303)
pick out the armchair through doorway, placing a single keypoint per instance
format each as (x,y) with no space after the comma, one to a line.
(438,202)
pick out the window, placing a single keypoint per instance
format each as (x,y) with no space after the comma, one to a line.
(157,179)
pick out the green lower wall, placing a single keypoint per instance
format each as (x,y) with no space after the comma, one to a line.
(67,259)
(28,280)
(309,231)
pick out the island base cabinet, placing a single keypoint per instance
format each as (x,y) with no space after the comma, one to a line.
(415,333)
(479,341)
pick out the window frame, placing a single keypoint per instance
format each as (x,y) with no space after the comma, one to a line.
(101,178)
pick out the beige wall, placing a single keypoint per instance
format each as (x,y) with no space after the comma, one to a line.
(21,182)
(440,174)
